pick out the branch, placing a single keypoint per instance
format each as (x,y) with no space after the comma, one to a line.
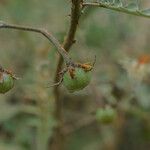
(68,42)
(44,32)
(58,137)
(127,10)
(75,14)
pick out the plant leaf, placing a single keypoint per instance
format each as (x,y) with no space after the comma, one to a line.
(146,12)
(132,7)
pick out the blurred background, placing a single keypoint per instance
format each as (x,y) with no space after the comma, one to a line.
(26,119)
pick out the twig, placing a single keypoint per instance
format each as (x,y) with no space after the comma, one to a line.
(44,32)
(55,84)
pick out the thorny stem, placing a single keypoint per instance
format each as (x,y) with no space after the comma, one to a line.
(68,42)
(45,33)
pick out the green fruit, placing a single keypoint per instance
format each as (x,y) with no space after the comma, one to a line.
(81,80)
(106,115)
(6,82)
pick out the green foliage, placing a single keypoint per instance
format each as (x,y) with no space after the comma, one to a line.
(95,35)
(106,115)
(25,123)
(130,7)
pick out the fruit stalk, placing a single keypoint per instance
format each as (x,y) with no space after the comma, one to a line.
(45,33)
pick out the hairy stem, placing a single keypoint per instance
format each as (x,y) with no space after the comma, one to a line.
(68,42)
(45,33)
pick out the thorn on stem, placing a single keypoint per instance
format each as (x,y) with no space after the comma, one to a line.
(93,64)
(56,84)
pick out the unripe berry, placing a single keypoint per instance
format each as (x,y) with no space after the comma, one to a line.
(80,79)
(106,115)
(6,82)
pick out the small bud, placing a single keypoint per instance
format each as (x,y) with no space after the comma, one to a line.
(106,115)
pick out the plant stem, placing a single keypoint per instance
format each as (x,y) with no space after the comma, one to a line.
(58,140)
(44,32)
(43,129)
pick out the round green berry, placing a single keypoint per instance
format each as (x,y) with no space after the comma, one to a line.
(80,80)
(6,82)
(106,115)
